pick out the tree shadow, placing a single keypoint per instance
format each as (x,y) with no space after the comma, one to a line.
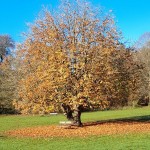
(3,136)
(136,119)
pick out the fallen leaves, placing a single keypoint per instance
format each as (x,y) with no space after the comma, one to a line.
(99,129)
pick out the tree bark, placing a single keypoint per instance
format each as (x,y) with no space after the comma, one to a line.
(77,116)
(73,115)
(67,111)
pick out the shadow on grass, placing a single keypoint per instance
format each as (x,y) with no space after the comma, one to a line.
(3,136)
(136,119)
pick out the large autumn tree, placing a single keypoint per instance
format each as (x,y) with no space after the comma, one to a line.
(75,60)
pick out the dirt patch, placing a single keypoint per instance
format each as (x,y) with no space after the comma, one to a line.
(99,129)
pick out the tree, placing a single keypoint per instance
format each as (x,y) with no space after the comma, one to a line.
(74,60)
(84,34)
(7,74)
(143,55)
(142,41)
(6,43)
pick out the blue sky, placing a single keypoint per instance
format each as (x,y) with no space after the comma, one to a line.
(132,16)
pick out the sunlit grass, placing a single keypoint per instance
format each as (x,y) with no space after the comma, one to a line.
(122,142)
(19,121)
(114,142)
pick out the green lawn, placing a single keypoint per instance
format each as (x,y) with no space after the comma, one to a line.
(115,142)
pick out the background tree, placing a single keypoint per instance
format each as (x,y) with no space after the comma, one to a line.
(143,55)
(142,41)
(6,44)
(7,74)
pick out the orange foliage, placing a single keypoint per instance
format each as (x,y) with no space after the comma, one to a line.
(77,59)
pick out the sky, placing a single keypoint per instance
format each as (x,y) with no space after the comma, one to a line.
(132,16)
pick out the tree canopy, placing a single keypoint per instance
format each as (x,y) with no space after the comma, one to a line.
(74,59)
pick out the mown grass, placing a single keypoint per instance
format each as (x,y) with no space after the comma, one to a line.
(120,142)
(18,121)
(116,142)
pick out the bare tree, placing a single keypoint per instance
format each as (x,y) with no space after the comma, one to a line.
(6,44)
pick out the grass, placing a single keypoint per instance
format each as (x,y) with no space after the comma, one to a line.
(115,142)
(126,142)
(122,142)
(18,121)
(117,114)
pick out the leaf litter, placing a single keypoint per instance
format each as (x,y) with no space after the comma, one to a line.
(86,130)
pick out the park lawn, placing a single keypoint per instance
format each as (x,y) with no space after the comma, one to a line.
(118,142)
(19,121)
(110,142)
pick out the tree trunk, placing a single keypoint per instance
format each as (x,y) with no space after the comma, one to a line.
(74,115)
(77,115)
(67,111)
